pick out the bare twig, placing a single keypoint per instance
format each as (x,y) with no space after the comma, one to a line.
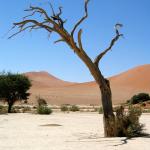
(52,9)
(60,11)
(83,18)
(60,40)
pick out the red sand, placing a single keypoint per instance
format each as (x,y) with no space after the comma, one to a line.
(56,91)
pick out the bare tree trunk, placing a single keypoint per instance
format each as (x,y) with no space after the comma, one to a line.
(108,116)
(10,104)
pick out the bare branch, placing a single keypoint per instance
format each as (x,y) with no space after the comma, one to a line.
(30,15)
(40,11)
(60,40)
(15,33)
(50,23)
(54,23)
(113,41)
(82,19)
(56,17)
(52,9)
(79,39)
(60,11)
(23,25)
(32,27)
(9,31)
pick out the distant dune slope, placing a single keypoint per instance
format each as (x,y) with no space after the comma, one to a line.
(45,80)
(56,91)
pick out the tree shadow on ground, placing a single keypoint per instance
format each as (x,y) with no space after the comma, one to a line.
(125,141)
(116,141)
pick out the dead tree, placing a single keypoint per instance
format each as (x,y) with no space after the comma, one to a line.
(55,23)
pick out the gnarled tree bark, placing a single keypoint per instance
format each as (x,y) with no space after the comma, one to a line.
(55,24)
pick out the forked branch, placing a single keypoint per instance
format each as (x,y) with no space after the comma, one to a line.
(53,23)
(113,41)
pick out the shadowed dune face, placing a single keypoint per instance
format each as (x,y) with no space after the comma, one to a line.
(56,91)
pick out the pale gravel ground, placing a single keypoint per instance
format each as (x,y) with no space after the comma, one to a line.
(79,131)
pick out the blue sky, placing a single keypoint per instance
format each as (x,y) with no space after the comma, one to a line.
(35,52)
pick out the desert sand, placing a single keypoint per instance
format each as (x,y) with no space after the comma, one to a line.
(62,131)
(56,91)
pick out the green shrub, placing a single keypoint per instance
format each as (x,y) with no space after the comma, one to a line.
(128,124)
(42,107)
(98,109)
(44,110)
(26,109)
(74,108)
(141,97)
(64,108)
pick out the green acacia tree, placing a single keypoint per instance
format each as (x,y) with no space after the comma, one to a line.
(13,87)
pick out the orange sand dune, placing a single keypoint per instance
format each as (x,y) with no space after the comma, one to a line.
(45,80)
(56,91)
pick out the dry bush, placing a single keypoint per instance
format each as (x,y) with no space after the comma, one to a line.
(64,108)
(127,123)
(74,108)
(3,109)
(41,101)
